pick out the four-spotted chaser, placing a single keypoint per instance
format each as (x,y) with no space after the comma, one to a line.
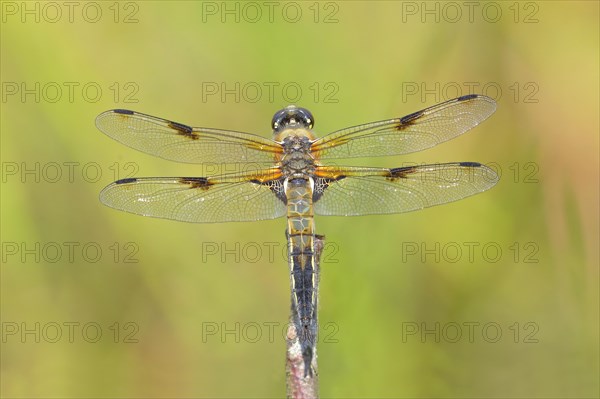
(293,182)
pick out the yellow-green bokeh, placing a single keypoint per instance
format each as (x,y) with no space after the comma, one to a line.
(541,292)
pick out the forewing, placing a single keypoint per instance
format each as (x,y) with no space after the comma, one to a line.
(228,198)
(414,132)
(178,142)
(367,191)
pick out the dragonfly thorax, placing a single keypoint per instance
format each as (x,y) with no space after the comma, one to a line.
(297,160)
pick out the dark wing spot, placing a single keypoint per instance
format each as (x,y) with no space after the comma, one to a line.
(196,182)
(126,181)
(123,111)
(471,164)
(321,184)
(408,120)
(183,130)
(276,186)
(467,97)
(401,173)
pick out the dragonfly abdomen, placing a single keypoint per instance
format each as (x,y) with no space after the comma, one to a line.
(303,273)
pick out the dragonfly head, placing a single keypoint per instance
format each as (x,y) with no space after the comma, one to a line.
(292,117)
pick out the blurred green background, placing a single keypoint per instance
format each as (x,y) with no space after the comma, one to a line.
(169,309)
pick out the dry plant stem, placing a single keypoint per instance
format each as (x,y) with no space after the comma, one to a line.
(299,386)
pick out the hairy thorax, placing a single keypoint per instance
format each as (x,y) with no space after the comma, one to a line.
(297,162)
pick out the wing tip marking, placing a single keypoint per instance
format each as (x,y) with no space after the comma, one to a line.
(467,97)
(128,180)
(123,111)
(470,164)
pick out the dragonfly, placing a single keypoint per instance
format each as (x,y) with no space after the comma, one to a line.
(289,179)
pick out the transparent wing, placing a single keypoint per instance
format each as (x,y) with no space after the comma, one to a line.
(366,191)
(228,198)
(414,132)
(182,143)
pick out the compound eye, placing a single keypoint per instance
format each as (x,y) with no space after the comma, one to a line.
(306,118)
(291,116)
(279,119)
